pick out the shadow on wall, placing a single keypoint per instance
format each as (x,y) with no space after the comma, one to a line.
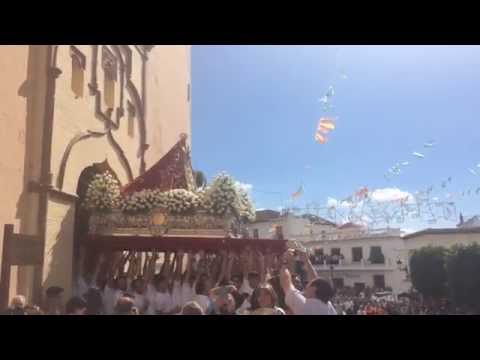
(31,89)
(29,137)
(61,256)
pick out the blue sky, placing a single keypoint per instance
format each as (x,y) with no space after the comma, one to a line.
(255,110)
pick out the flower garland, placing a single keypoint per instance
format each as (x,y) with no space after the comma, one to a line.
(180,201)
(103,193)
(144,201)
(247,208)
(219,198)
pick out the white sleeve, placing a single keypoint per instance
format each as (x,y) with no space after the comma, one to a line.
(177,299)
(279,311)
(187,293)
(170,303)
(295,301)
(81,287)
(151,305)
(163,303)
(245,288)
(331,309)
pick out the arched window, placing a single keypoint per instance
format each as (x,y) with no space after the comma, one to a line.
(78,71)
(131,113)
(109,65)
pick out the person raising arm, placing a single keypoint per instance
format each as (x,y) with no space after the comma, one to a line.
(188,280)
(311,272)
(160,299)
(315,300)
(177,299)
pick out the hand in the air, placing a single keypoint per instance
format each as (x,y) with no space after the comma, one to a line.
(285,278)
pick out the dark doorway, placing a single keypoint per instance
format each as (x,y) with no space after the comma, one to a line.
(359,287)
(379,281)
(357,254)
(338,283)
(335,255)
(82,218)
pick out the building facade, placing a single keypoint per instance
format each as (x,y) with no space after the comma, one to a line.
(355,246)
(69,111)
(361,259)
(293,226)
(354,256)
(440,237)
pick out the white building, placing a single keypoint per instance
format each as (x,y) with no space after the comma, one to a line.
(353,243)
(440,237)
(355,247)
(366,258)
(292,226)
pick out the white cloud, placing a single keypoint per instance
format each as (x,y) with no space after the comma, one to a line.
(391,194)
(244,186)
(331,202)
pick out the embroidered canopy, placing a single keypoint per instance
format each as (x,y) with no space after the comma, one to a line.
(173,171)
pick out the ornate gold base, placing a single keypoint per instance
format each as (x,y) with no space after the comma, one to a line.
(159,223)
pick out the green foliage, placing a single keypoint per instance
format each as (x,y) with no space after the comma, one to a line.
(200,179)
(463,274)
(427,271)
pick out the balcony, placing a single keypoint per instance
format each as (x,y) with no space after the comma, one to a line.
(346,235)
(360,265)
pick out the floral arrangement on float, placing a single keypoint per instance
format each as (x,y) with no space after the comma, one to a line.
(210,206)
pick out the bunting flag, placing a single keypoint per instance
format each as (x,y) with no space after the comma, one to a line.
(298,193)
(326,124)
(320,138)
(362,193)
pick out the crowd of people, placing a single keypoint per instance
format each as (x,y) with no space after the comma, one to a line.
(250,283)
(178,283)
(367,302)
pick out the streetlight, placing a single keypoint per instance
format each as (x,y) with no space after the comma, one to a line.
(402,268)
(332,261)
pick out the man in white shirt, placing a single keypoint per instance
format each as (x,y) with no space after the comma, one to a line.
(139,295)
(177,296)
(81,286)
(160,298)
(114,290)
(250,283)
(315,300)
(188,291)
(202,289)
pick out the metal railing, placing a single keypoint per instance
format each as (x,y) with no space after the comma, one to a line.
(338,235)
(362,264)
